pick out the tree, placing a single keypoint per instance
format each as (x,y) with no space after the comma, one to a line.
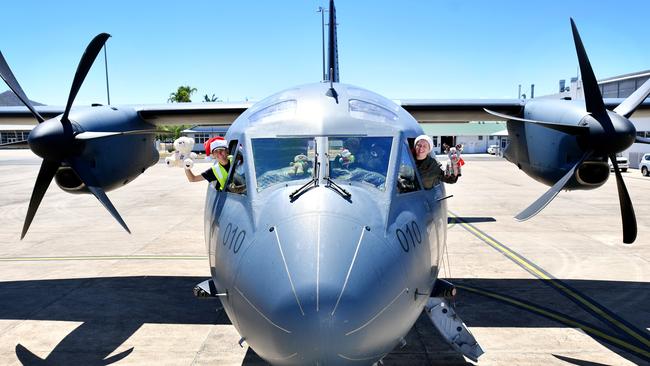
(182,95)
(213,98)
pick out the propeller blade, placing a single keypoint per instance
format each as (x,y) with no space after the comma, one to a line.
(103,198)
(86,176)
(90,135)
(593,98)
(631,103)
(642,140)
(627,211)
(571,130)
(45,175)
(547,197)
(87,60)
(12,83)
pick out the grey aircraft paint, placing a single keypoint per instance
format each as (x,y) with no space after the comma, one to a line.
(323,279)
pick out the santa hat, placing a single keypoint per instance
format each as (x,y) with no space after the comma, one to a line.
(217,142)
(425,138)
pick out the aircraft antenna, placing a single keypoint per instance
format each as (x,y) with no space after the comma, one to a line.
(332,92)
(332,52)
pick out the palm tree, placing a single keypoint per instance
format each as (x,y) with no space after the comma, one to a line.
(213,98)
(182,95)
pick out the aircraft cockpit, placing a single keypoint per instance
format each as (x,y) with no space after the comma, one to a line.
(347,160)
(356,140)
(361,161)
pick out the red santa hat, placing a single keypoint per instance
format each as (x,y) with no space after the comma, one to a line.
(217,142)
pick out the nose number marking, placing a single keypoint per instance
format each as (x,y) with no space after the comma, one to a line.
(232,238)
(414,234)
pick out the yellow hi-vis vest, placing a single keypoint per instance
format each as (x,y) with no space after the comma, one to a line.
(221,173)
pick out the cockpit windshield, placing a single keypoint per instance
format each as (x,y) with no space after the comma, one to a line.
(359,159)
(282,160)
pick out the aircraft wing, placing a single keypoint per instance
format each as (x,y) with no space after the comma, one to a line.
(459,110)
(464,110)
(219,113)
(162,114)
(192,113)
(430,110)
(22,115)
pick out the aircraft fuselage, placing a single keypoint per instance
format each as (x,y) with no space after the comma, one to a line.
(324,278)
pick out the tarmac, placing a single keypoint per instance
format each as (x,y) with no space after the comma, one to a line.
(558,289)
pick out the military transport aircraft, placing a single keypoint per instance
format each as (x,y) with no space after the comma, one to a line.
(332,264)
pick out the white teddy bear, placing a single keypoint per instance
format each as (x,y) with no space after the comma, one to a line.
(182,155)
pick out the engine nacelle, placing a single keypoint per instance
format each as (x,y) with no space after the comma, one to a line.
(113,160)
(545,154)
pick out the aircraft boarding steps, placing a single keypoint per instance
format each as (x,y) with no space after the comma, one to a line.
(448,323)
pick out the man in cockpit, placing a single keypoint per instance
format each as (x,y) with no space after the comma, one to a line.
(218,172)
(427,165)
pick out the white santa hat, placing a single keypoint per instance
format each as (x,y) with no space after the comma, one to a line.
(425,138)
(218,144)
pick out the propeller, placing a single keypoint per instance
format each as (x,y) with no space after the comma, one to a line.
(54,139)
(12,83)
(547,197)
(609,133)
(573,130)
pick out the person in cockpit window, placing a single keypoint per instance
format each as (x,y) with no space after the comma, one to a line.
(218,172)
(429,168)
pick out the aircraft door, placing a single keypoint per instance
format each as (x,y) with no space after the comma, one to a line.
(411,226)
(437,226)
(232,228)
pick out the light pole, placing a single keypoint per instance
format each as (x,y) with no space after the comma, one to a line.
(108,93)
(322,29)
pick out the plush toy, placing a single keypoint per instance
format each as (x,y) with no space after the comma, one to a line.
(345,158)
(300,164)
(183,155)
(455,161)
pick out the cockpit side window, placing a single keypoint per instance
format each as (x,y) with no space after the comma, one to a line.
(407,180)
(283,160)
(236,182)
(359,159)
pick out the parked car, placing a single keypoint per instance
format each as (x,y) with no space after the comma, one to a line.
(622,162)
(492,149)
(644,165)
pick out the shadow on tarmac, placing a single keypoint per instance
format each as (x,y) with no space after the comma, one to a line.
(113,309)
(471,220)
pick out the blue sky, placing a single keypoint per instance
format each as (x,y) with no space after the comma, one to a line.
(250,49)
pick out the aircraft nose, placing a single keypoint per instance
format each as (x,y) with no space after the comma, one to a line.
(328,295)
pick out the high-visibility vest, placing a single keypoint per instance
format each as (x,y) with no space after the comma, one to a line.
(221,173)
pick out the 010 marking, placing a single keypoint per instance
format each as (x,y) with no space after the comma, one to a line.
(409,236)
(233,238)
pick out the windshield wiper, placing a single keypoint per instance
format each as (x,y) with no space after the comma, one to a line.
(304,188)
(309,185)
(337,188)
